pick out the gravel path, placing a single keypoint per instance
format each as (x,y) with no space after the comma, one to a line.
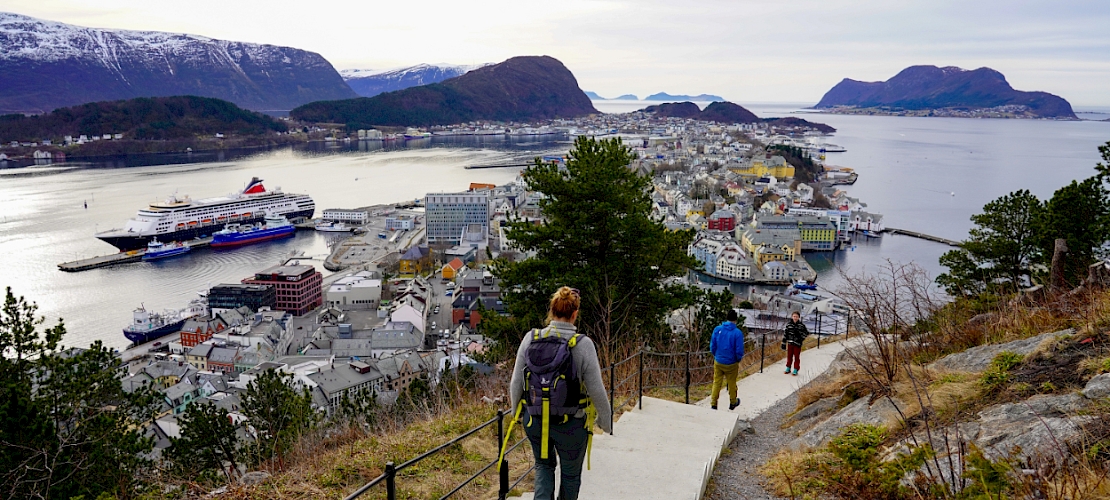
(737,473)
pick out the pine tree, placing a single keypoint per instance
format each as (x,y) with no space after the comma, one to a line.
(598,236)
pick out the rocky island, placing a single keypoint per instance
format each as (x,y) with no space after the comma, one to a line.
(727,112)
(948,91)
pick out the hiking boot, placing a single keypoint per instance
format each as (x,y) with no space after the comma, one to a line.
(714,407)
(795,372)
(734,404)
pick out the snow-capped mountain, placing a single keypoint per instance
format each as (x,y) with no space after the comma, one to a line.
(45,65)
(369,82)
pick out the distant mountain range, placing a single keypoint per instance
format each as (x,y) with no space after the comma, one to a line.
(369,83)
(46,65)
(663,96)
(524,88)
(727,112)
(930,87)
(626,97)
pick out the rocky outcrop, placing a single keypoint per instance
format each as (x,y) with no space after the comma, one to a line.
(979,358)
(1098,387)
(861,411)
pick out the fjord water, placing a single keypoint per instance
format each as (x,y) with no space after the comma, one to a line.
(909,168)
(43,222)
(931,174)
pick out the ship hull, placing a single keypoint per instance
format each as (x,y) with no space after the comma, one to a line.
(144,337)
(130,242)
(235,240)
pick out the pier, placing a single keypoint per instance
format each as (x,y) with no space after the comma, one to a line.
(923,236)
(505,165)
(137,255)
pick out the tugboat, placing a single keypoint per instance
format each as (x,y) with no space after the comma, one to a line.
(275,227)
(157,250)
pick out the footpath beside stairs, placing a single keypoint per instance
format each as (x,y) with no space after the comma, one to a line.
(668,450)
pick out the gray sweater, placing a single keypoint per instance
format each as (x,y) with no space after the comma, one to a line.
(589,372)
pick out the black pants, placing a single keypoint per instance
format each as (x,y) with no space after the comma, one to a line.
(566,441)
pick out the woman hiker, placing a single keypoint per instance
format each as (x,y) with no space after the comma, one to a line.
(727,346)
(557,383)
(792,338)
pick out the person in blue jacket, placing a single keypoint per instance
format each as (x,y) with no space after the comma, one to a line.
(727,346)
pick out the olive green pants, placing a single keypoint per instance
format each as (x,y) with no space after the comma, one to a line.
(724,375)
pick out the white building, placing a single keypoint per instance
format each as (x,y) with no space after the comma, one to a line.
(358,217)
(358,291)
(449,214)
(399,223)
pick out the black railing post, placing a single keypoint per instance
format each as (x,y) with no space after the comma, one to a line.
(818,329)
(762,351)
(641,397)
(612,394)
(848,324)
(687,377)
(390,481)
(503,469)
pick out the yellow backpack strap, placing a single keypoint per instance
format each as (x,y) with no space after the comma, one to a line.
(573,340)
(591,417)
(508,435)
(545,432)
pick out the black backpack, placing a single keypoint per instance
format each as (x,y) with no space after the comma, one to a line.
(551,384)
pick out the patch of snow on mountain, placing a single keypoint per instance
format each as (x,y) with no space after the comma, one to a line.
(24,37)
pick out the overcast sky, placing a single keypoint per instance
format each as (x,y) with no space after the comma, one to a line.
(746,51)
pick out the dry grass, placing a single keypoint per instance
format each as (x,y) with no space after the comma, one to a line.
(340,471)
(795,475)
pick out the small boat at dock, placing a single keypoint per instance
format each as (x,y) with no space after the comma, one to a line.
(805,285)
(333,227)
(156,250)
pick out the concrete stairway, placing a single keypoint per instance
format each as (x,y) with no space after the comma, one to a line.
(664,451)
(668,450)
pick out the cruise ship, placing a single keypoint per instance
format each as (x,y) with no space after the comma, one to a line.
(182,219)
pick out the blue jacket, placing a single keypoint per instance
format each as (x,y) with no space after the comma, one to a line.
(727,343)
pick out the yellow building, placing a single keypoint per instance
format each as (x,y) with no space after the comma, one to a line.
(766,245)
(774,166)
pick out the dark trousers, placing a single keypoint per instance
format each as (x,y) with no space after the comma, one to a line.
(794,353)
(566,441)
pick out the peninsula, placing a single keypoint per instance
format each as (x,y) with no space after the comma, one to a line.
(948,91)
(142,125)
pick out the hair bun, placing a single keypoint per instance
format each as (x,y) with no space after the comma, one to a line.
(564,302)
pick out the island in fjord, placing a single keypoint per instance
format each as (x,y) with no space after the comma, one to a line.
(948,91)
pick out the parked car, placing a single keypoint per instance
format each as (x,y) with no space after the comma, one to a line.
(436,310)
(448,294)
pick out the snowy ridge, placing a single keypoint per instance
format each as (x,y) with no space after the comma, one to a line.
(24,37)
(46,64)
(369,82)
(458,69)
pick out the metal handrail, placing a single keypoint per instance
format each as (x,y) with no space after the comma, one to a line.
(391,471)
(390,475)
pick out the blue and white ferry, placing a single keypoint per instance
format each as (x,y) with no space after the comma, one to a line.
(157,250)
